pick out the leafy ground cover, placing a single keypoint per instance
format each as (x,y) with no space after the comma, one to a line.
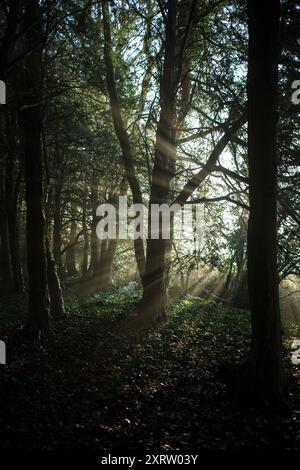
(85,387)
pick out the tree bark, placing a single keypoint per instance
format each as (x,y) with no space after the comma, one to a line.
(9,39)
(86,241)
(153,306)
(121,133)
(265,357)
(57,215)
(57,307)
(103,278)
(95,242)
(6,271)
(31,130)
(71,252)
(12,182)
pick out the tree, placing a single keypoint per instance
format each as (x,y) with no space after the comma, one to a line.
(122,135)
(71,252)
(265,356)
(9,178)
(174,103)
(154,302)
(31,134)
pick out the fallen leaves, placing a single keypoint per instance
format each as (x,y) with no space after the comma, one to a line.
(83,388)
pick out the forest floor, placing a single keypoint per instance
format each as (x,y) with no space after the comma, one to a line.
(85,388)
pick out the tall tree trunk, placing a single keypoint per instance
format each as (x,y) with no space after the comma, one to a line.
(71,252)
(9,254)
(9,38)
(57,307)
(95,242)
(153,305)
(104,274)
(31,130)
(12,181)
(121,133)
(5,261)
(15,240)
(265,358)
(86,241)
(57,215)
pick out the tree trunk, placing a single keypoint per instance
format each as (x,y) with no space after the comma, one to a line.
(95,242)
(86,243)
(10,266)
(57,307)
(5,262)
(104,274)
(121,133)
(71,252)
(265,358)
(153,306)
(12,182)
(14,241)
(57,216)
(31,129)
(8,40)
(6,271)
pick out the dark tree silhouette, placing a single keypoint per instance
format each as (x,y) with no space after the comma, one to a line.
(265,357)
(31,132)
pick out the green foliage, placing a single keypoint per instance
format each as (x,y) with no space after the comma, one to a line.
(291,329)
(112,303)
